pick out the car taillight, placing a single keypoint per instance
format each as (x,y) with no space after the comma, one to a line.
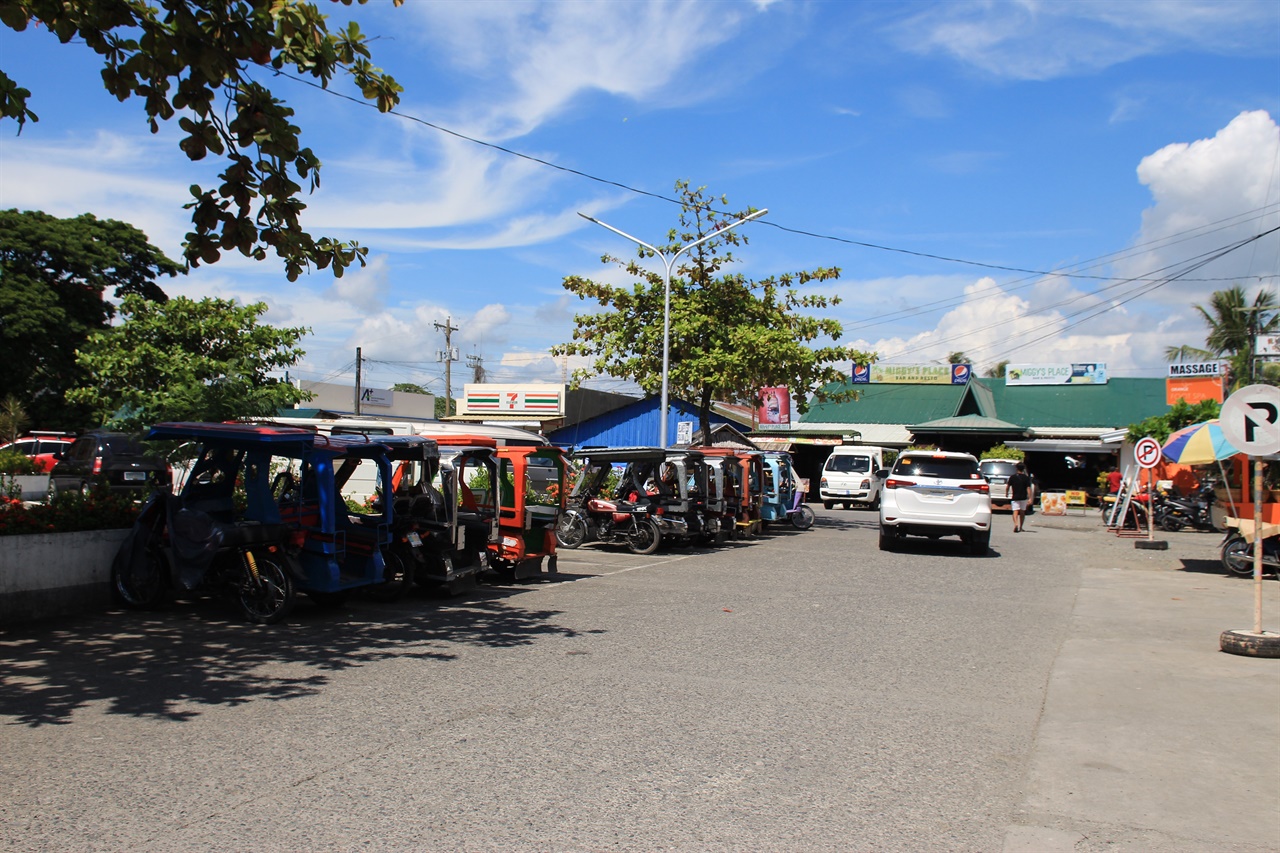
(866,484)
(97,465)
(893,484)
(824,482)
(976,487)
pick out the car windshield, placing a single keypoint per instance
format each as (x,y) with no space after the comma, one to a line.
(943,467)
(996,468)
(841,464)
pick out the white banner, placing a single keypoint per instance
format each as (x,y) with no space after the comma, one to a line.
(1187,370)
(1090,373)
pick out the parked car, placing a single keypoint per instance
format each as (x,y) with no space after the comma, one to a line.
(848,477)
(936,493)
(998,472)
(117,458)
(42,448)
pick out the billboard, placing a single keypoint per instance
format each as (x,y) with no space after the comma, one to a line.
(1088,373)
(775,406)
(911,374)
(546,401)
(1186,370)
(1193,389)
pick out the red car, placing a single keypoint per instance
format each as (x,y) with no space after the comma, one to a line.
(41,448)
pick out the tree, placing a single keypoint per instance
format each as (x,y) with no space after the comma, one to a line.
(409,388)
(997,370)
(13,419)
(54,276)
(958,358)
(1233,325)
(197,60)
(184,360)
(729,336)
(1180,414)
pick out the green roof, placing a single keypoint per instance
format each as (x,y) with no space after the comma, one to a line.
(1114,405)
(888,404)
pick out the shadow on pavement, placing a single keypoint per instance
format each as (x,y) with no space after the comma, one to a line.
(165,664)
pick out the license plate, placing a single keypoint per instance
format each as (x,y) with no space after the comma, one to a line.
(414,539)
(135,475)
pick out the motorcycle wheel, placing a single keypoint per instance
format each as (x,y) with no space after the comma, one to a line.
(1168,521)
(269,599)
(1237,557)
(145,584)
(803,517)
(645,538)
(571,531)
(397,578)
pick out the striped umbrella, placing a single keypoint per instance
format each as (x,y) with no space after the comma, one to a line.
(1198,444)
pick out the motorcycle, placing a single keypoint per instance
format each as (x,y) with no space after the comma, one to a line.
(628,516)
(1237,553)
(175,548)
(1173,513)
(616,522)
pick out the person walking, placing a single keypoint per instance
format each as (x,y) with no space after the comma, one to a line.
(1019,495)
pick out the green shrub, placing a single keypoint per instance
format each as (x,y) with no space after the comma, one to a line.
(69,511)
(13,462)
(1004,451)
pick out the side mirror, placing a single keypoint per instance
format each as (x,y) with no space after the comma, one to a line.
(881,474)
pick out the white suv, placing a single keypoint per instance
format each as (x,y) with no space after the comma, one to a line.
(935,493)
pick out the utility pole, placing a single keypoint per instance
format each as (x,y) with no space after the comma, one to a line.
(448,356)
(358,389)
(476,363)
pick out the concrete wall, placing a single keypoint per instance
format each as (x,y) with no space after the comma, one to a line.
(56,574)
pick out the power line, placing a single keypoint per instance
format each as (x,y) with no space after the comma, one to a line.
(671,200)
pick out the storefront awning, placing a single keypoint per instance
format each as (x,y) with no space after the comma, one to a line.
(1063,445)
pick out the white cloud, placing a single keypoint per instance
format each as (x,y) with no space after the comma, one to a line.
(1044,39)
(1207,195)
(539,57)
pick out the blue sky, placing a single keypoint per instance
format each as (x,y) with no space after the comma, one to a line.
(1111,140)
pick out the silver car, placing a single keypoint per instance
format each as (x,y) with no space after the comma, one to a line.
(936,493)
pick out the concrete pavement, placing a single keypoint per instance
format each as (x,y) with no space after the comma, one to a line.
(1151,738)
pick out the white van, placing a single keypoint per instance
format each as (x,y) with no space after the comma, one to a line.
(848,476)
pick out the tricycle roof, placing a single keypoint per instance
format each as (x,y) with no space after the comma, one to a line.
(620,454)
(238,434)
(403,447)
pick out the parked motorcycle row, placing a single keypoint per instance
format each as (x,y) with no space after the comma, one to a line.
(260,518)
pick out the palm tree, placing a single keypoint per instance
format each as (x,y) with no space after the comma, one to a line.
(997,370)
(1233,326)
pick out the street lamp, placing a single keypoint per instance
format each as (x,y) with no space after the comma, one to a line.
(666,298)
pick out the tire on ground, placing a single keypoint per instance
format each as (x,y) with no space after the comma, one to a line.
(1249,644)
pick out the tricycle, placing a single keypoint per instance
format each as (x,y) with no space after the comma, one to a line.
(782,499)
(611,500)
(237,530)
(530,497)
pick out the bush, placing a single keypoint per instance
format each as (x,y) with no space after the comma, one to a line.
(14,462)
(1004,451)
(68,512)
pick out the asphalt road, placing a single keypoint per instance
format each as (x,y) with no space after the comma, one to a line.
(802,691)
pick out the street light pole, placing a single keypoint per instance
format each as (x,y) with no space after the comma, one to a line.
(666,297)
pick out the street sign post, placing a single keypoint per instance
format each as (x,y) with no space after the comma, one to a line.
(1250,421)
(1147,453)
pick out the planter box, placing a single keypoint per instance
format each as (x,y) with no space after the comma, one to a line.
(35,487)
(56,574)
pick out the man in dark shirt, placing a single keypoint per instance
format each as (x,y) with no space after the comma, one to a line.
(1019,495)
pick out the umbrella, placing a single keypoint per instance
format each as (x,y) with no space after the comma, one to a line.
(1198,444)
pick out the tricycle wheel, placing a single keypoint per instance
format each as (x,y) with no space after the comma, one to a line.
(142,584)
(645,538)
(270,597)
(571,531)
(803,517)
(397,578)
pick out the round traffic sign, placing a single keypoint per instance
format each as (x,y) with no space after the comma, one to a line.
(1250,420)
(1147,452)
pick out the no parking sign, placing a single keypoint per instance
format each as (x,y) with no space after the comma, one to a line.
(1147,452)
